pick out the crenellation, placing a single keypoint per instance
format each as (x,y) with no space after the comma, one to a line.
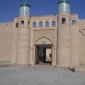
(43,16)
(5,23)
(74,15)
(82,20)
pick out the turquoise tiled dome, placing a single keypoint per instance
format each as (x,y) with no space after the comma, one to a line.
(64,1)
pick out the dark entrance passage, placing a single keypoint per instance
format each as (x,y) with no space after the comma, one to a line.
(43,54)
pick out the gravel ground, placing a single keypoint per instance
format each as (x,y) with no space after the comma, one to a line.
(40,76)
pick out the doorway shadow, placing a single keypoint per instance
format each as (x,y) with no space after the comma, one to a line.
(43,53)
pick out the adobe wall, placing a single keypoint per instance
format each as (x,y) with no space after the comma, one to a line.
(47,32)
(9,34)
(64,41)
(7,43)
(82,41)
(23,40)
(74,41)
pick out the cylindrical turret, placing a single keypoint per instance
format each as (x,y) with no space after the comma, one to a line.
(23,35)
(64,31)
(64,7)
(24,9)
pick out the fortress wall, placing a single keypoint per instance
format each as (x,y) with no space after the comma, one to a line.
(78,41)
(6,25)
(8,43)
(74,41)
(5,45)
(81,24)
(23,40)
(82,41)
(82,48)
(64,41)
(49,34)
(37,19)
(81,27)
(14,46)
(23,46)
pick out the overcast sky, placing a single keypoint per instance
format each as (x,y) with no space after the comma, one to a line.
(9,9)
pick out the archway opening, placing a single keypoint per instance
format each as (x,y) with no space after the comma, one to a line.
(43,51)
(43,54)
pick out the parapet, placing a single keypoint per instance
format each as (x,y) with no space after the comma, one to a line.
(45,16)
(6,24)
(82,20)
(74,15)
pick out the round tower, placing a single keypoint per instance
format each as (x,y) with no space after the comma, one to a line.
(23,35)
(24,9)
(64,40)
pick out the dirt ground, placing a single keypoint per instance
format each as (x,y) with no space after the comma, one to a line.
(40,76)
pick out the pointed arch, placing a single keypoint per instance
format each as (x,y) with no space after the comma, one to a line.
(43,40)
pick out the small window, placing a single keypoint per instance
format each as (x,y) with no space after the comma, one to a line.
(40,24)
(17,25)
(34,24)
(53,23)
(47,24)
(22,22)
(63,21)
(73,22)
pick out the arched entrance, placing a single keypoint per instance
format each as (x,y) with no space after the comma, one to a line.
(43,51)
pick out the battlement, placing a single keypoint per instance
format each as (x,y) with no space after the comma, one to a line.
(6,23)
(74,15)
(83,20)
(45,16)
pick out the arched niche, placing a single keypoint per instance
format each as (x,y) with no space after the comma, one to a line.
(44,41)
